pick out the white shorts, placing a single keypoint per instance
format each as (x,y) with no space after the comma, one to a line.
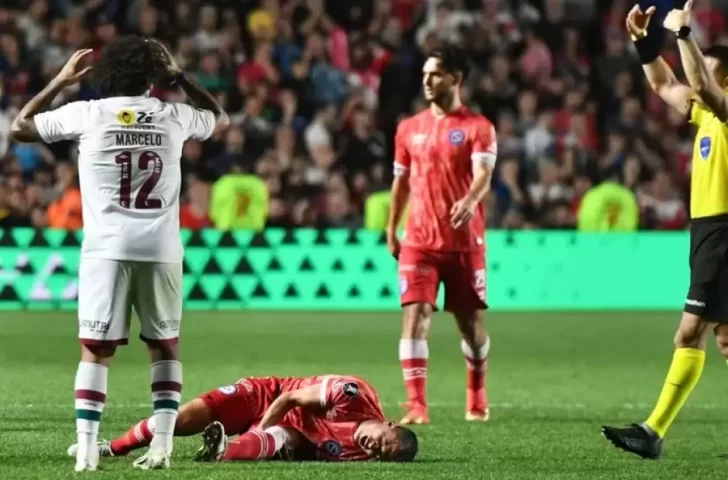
(108,289)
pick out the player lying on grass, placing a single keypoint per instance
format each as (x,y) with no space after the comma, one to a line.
(334,418)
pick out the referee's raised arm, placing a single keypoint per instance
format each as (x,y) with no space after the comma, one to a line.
(705,72)
(660,76)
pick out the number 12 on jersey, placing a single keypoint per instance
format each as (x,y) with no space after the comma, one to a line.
(147,160)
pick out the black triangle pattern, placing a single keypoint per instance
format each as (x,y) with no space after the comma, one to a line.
(8,294)
(243,267)
(229,294)
(39,239)
(259,241)
(274,265)
(259,291)
(197,293)
(212,267)
(306,265)
(291,292)
(227,240)
(70,240)
(196,240)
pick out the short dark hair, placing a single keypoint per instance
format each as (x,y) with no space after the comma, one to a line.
(408,445)
(128,66)
(453,59)
(720,53)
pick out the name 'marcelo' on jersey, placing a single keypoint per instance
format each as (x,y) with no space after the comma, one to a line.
(129,171)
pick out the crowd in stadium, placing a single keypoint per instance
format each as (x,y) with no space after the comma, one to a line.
(315,90)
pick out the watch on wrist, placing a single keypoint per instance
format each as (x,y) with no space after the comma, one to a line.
(684,32)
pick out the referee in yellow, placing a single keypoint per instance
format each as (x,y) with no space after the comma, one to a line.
(706,306)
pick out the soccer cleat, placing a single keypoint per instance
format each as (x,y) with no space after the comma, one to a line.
(477,416)
(104,447)
(416,415)
(635,439)
(153,460)
(214,443)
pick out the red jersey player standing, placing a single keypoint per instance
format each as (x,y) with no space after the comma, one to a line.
(444,158)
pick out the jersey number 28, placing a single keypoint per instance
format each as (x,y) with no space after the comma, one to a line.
(147,161)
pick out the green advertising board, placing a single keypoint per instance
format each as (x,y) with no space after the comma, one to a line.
(351,270)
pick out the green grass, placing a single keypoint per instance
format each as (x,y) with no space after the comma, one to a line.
(555,378)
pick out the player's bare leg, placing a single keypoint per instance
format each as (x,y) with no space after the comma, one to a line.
(475,346)
(90,392)
(193,417)
(413,356)
(166,383)
(645,439)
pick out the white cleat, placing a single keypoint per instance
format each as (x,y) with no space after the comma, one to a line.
(104,447)
(153,460)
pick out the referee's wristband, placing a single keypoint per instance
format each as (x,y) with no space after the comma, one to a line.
(647,49)
(683,33)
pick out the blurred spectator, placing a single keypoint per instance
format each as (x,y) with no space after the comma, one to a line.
(193,213)
(315,90)
(65,211)
(239,200)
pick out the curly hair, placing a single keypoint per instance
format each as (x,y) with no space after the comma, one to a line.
(128,67)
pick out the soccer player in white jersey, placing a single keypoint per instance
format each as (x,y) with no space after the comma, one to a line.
(130,146)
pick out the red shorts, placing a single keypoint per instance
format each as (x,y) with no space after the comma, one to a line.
(463,273)
(241,406)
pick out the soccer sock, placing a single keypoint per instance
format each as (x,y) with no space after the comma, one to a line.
(413,355)
(137,437)
(476,361)
(685,370)
(252,445)
(90,386)
(166,395)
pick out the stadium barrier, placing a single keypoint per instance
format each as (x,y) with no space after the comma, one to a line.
(351,270)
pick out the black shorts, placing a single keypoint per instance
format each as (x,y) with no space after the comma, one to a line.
(708,293)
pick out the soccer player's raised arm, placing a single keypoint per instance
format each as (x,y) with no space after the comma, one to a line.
(400,190)
(700,77)
(28,126)
(200,98)
(307,397)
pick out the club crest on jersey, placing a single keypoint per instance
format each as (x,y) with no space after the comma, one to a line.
(332,448)
(351,389)
(126,117)
(705,144)
(456,136)
(228,390)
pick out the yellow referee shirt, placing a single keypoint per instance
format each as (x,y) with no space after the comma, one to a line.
(709,182)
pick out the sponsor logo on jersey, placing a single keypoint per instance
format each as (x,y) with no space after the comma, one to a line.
(228,390)
(332,448)
(419,139)
(402,285)
(351,389)
(456,136)
(126,117)
(705,143)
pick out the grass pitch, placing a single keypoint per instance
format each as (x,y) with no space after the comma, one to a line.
(554,379)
